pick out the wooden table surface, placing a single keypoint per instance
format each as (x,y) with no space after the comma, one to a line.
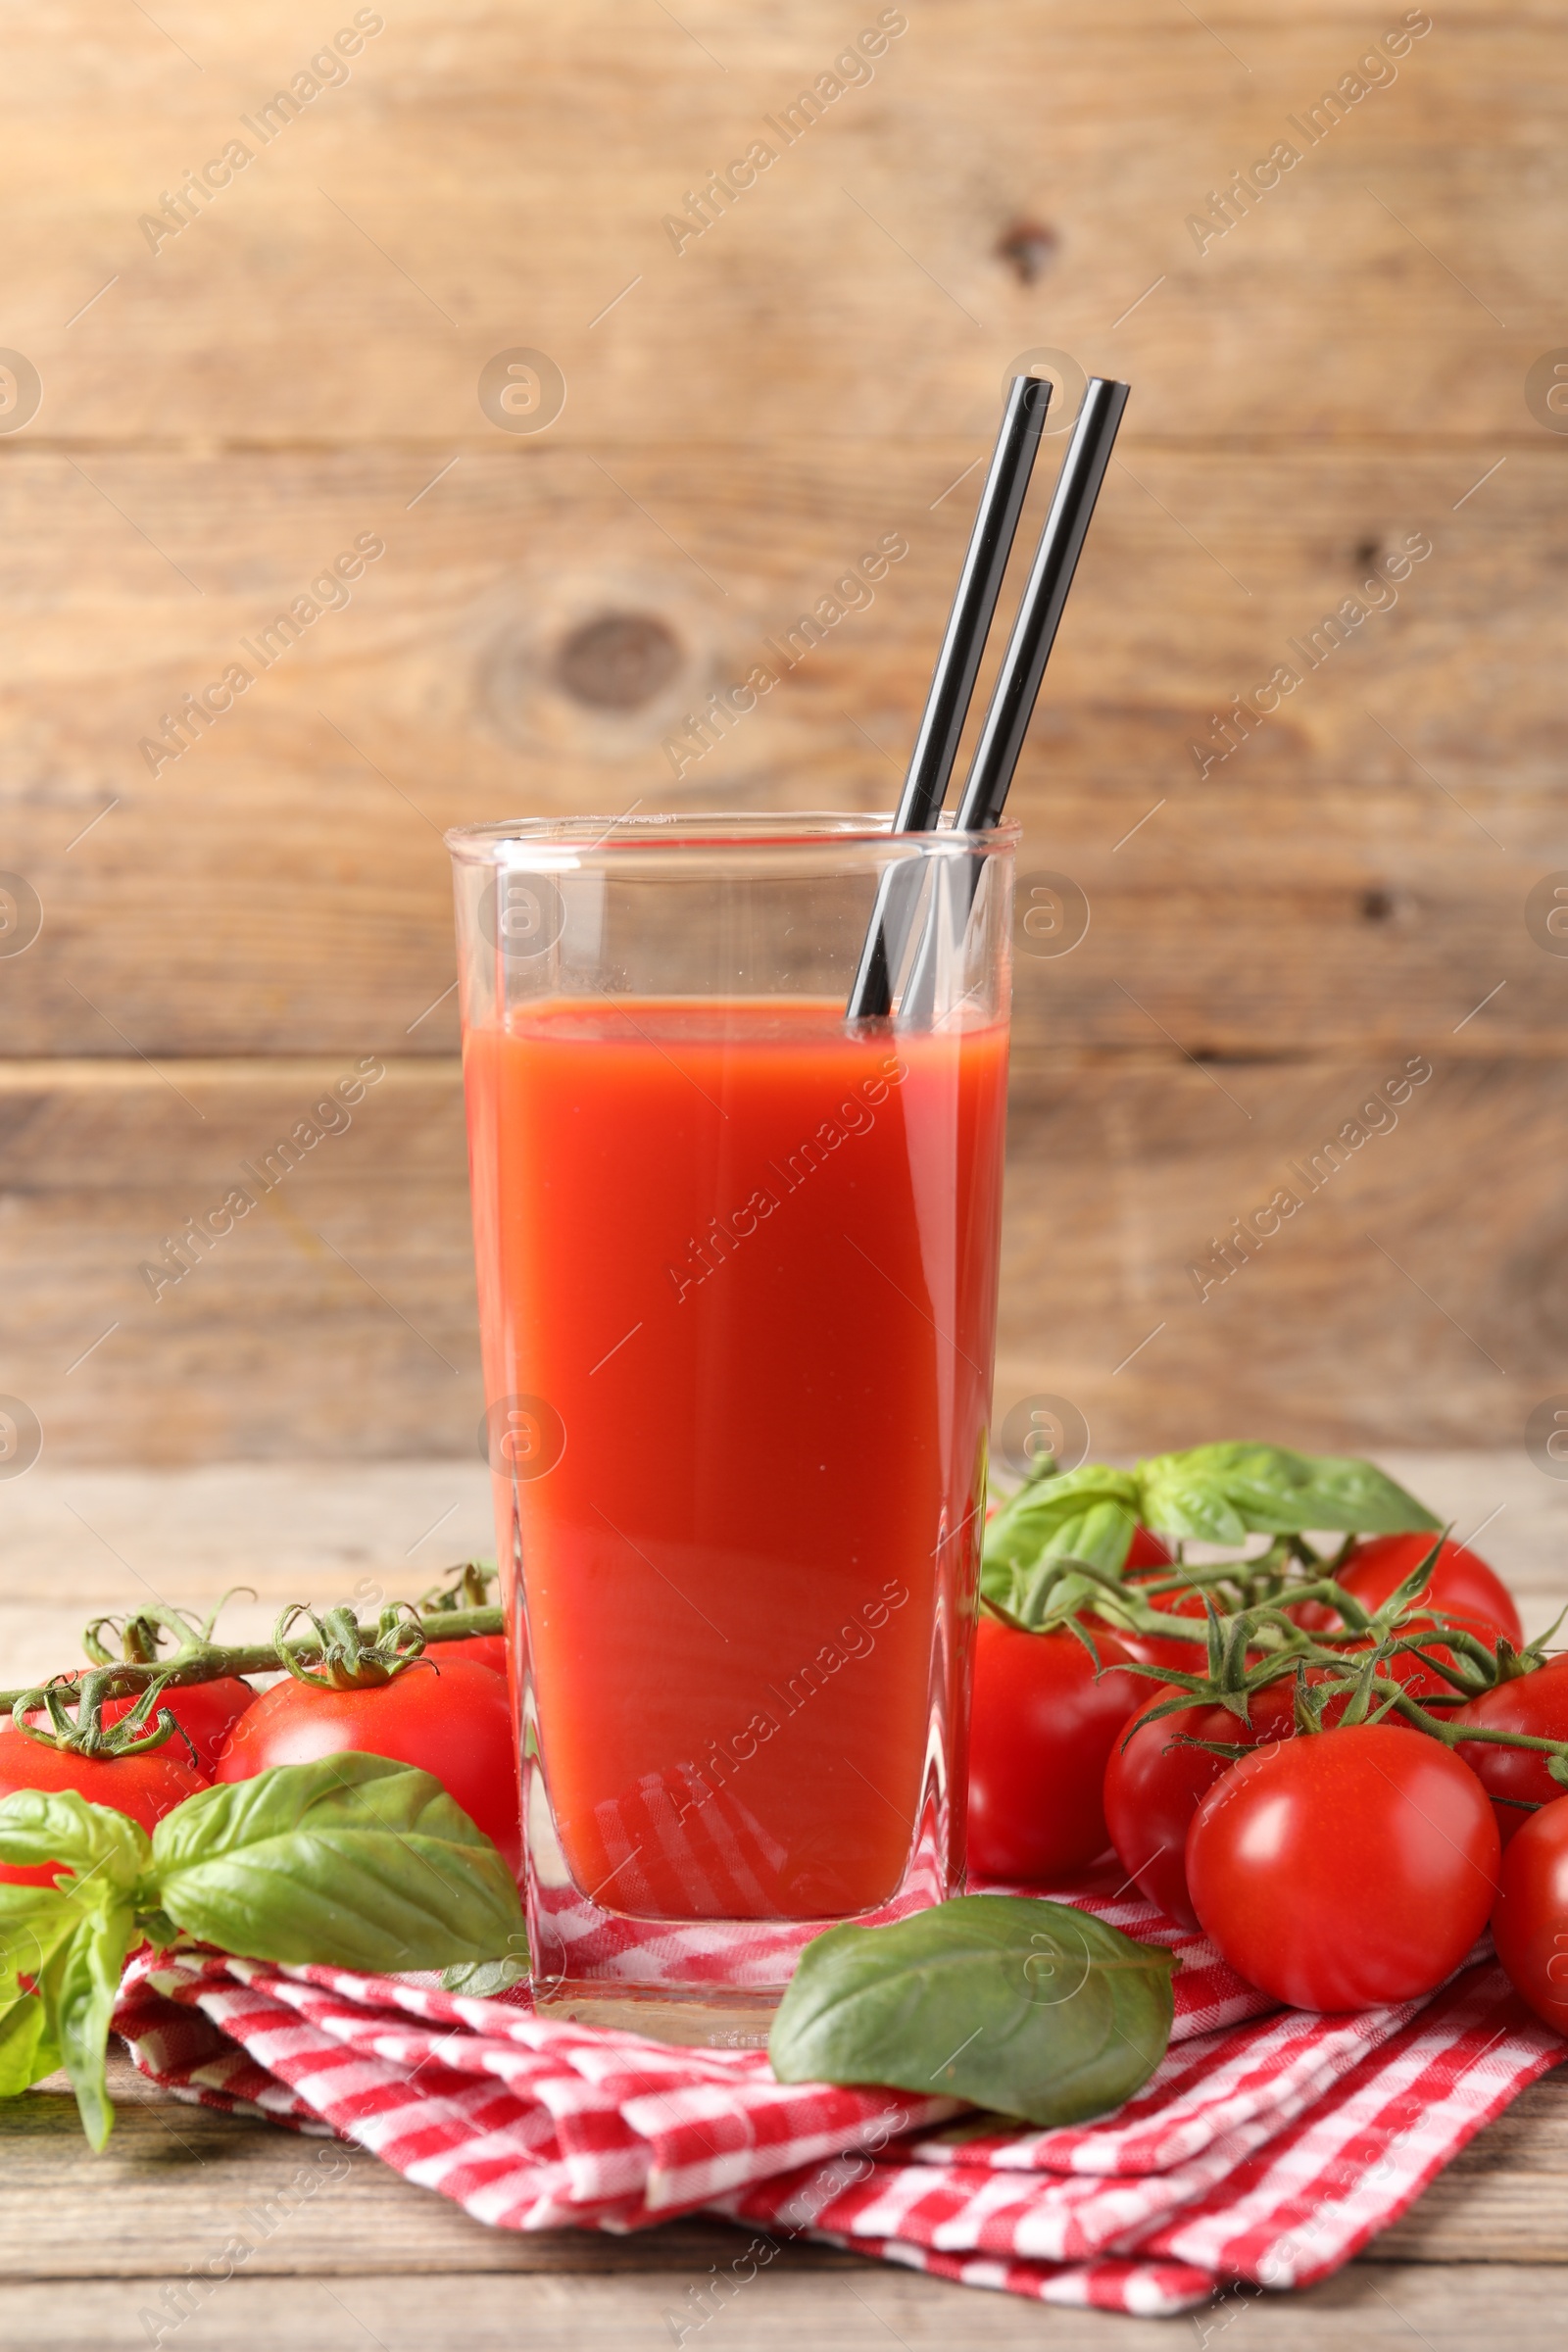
(93,2250)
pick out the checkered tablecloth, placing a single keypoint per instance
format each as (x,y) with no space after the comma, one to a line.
(1268,2147)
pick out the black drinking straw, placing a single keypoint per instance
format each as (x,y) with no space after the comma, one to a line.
(946,706)
(1023,664)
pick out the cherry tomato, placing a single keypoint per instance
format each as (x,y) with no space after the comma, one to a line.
(480,1650)
(1345,1870)
(1537,1704)
(144,1784)
(1155,1780)
(1529,1921)
(1460,1584)
(455,1723)
(206,1712)
(1042,1730)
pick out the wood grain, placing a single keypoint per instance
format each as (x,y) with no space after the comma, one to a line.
(496,175)
(1504,2198)
(87,2245)
(178,2182)
(337,1318)
(255,1535)
(1361,1319)
(298,365)
(1366,2309)
(1354,872)
(343,1300)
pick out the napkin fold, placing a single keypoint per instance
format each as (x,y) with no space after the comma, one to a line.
(1267,2148)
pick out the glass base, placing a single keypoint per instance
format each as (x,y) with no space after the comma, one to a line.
(704,1983)
(703,2017)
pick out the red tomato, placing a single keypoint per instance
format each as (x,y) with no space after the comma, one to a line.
(1043,1729)
(1530,1923)
(206,1712)
(1148,1551)
(1155,1780)
(143,1785)
(455,1723)
(1537,1704)
(1460,1583)
(480,1650)
(1345,1870)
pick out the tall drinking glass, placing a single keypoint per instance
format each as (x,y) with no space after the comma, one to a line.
(737,1270)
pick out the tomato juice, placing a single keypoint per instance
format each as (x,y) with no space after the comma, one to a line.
(737,1268)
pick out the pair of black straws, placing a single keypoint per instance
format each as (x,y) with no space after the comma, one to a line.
(1023,664)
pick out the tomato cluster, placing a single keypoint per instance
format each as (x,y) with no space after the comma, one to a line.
(1346,1868)
(451,1717)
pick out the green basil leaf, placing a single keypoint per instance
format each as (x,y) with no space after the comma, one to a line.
(28,2048)
(351,1862)
(34,1921)
(1025,2006)
(39,1826)
(1087,1514)
(80,1987)
(35,1925)
(1223,1494)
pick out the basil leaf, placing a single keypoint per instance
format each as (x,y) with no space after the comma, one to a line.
(28,2048)
(39,1826)
(352,1862)
(34,1921)
(80,1987)
(36,1924)
(1087,1514)
(1222,1493)
(1025,2006)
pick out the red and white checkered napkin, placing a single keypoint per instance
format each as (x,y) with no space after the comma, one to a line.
(1268,2147)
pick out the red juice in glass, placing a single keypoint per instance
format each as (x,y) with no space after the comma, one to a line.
(737,1265)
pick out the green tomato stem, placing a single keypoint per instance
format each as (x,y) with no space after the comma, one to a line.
(211,1661)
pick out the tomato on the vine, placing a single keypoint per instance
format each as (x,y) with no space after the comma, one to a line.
(1460,1585)
(142,1782)
(1149,1561)
(453,1720)
(1530,1920)
(1153,1650)
(1346,1868)
(1538,1704)
(206,1712)
(1042,1729)
(1157,1778)
(1420,1674)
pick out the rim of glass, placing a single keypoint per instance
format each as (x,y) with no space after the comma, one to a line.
(715,829)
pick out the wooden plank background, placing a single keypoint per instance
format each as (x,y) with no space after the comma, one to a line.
(299,365)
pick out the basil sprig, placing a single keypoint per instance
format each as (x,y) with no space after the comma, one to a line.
(351,1862)
(1004,2001)
(1211,1493)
